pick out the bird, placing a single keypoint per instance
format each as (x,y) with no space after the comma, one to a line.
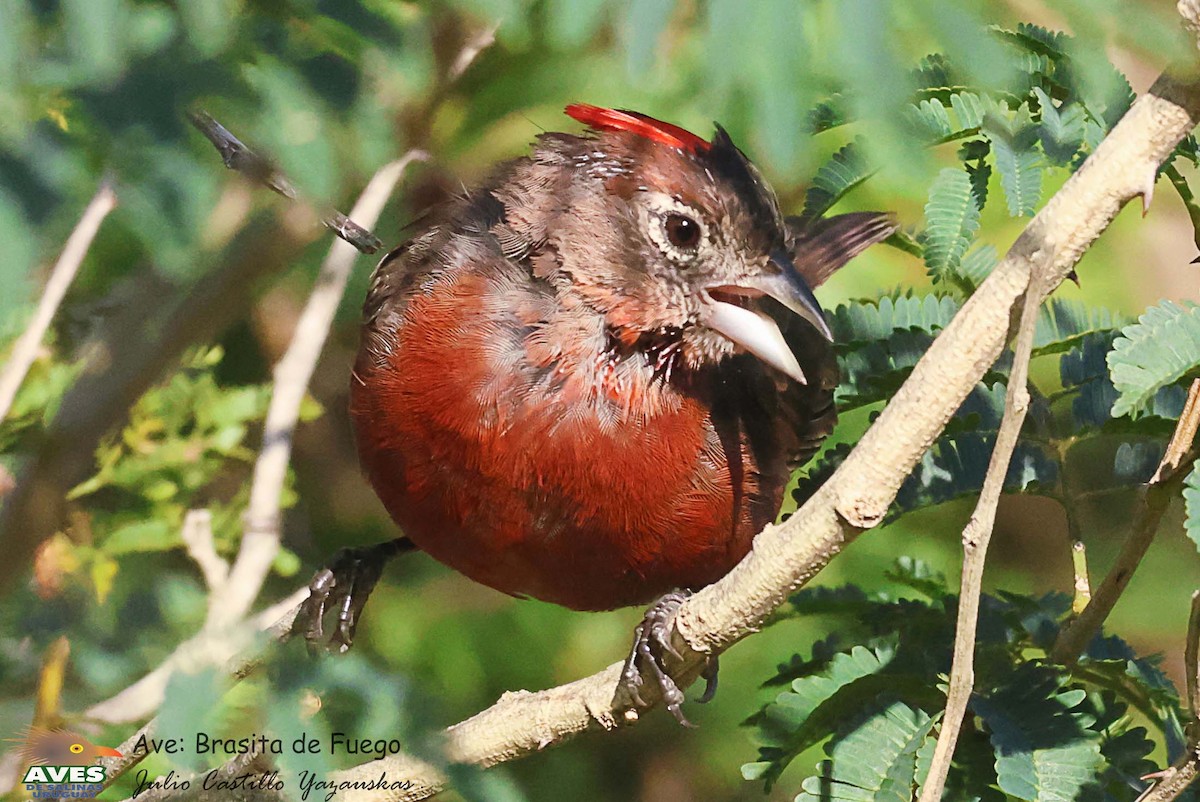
(59,747)
(589,379)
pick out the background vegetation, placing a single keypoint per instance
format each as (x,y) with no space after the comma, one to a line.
(334,90)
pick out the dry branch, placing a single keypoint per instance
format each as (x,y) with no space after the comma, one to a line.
(857,496)
(25,350)
(975,539)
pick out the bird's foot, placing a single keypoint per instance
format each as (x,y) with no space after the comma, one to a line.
(651,642)
(344,584)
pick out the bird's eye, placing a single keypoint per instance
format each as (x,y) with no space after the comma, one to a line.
(682,231)
(76,749)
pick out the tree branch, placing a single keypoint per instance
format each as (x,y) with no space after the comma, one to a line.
(260,538)
(259,169)
(1155,497)
(197,537)
(25,350)
(975,539)
(786,556)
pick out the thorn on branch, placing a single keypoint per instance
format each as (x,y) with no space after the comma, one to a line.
(238,156)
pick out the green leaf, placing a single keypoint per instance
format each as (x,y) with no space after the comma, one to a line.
(970,109)
(1019,164)
(845,170)
(1038,39)
(878,342)
(862,322)
(957,463)
(934,76)
(1184,190)
(874,758)
(1160,349)
(142,536)
(1044,751)
(931,121)
(828,114)
(800,718)
(1061,324)
(1061,130)
(978,264)
(918,575)
(1191,503)
(951,220)
(980,173)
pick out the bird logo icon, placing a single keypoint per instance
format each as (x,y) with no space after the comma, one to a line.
(60,761)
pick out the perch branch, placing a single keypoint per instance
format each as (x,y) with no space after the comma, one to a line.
(975,539)
(1152,504)
(260,539)
(25,349)
(856,497)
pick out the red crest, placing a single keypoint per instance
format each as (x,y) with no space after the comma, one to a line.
(636,123)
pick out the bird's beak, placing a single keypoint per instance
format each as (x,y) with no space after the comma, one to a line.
(755,330)
(107,751)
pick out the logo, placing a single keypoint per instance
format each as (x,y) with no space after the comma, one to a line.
(60,764)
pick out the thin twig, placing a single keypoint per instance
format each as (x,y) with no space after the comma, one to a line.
(197,536)
(976,537)
(1152,505)
(470,51)
(25,349)
(1174,780)
(260,540)
(237,156)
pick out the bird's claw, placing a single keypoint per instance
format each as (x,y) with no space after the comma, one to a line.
(345,585)
(651,641)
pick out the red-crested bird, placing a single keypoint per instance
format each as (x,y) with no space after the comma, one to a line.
(588,380)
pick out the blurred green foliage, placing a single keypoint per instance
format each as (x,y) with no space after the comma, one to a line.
(823,95)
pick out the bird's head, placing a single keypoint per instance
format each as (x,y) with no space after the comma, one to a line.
(62,748)
(673,237)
